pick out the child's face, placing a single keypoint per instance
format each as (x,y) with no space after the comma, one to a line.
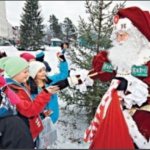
(65,46)
(22,76)
(41,75)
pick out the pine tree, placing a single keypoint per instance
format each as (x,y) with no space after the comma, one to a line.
(96,34)
(31,29)
(68,28)
(48,35)
(55,27)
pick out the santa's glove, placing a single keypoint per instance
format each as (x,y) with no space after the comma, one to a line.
(61,57)
(62,84)
(123,84)
(136,92)
(70,81)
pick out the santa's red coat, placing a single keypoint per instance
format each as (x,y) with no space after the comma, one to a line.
(142,118)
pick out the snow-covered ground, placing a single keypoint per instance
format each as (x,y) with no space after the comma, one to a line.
(50,55)
(72,122)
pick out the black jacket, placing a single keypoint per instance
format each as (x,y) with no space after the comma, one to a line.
(14,134)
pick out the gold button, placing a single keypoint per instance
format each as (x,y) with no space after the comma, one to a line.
(145,58)
(135,137)
(132,126)
(128,117)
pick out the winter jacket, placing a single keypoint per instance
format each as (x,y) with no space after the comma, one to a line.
(14,134)
(27,109)
(9,122)
(53,103)
(65,52)
(48,68)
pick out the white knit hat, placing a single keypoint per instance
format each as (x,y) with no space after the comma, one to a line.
(34,67)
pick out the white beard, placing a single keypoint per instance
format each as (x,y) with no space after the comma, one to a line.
(124,54)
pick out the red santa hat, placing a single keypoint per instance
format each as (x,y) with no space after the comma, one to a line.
(27,56)
(127,17)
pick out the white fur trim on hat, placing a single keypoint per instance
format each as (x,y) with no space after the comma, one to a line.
(34,67)
(123,24)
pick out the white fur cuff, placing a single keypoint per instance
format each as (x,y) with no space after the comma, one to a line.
(72,80)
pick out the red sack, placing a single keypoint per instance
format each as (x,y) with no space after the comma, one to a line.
(113,131)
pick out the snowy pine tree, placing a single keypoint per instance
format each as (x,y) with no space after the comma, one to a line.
(68,28)
(55,27)
(31,29)
(96,35)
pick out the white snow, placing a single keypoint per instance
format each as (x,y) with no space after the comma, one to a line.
(72,122)
(56,39)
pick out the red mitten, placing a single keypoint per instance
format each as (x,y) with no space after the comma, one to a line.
(99,59)
(97,65)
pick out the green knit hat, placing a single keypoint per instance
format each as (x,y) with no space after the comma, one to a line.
(13,65)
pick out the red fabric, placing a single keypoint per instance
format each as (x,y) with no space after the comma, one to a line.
(27,56)
(99,59)
(142,119)
(14,99)
(113,131)
(140,18)
(1,70)
(2,81)
(97,64)
(147,80)
(30,108)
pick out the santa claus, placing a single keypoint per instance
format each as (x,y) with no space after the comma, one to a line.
(124,111)
(122,119)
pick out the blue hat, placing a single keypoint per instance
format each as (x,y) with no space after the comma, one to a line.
(39,53)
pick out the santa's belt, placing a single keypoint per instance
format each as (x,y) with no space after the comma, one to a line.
(134,109)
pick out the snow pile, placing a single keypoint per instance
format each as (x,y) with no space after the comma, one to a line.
(70,128)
